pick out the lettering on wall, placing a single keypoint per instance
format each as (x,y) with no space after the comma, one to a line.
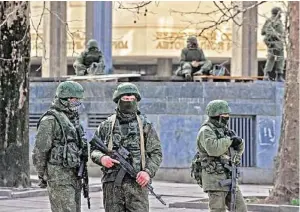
(120,45)
(208,41)
(211,41)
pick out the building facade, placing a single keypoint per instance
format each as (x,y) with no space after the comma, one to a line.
(141,39)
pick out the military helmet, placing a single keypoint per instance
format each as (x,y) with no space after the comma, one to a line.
(69,89)
(217,107)
(192,39)
(92,43)
(276,10)
(126,88)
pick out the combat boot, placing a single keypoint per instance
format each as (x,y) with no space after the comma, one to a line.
(267,77)
(279,78)
(188,77)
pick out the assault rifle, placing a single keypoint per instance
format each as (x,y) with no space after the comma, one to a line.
(233,181)
(83,171)
(234,173)
(83,174)
(122,155)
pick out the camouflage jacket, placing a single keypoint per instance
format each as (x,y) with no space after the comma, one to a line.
(273,30)
(213,150)
(86,58)
(48,152)
(128,136)
(189,55)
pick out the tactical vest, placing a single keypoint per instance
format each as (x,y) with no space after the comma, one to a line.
(194,55)
(91,57)
(210,164)
(131,137)
(66,148)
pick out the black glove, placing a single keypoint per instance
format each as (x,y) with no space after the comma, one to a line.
(230,133)
(236,141)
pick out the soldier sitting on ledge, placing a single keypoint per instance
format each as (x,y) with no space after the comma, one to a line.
(90,61)
(193,61)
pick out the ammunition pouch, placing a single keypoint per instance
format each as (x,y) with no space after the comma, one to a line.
(213,165)
(67,155)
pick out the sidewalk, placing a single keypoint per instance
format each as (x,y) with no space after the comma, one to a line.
(180,197)
(183,189)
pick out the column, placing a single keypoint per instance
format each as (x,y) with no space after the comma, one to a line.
(244,42)
(99,27)
(164,67)
(89,20)
(54,61)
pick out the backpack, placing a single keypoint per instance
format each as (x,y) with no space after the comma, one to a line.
(196,169)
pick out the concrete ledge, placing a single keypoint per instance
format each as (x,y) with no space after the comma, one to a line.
(6,193)
(251,207)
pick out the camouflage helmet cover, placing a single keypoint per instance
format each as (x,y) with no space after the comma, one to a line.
(192,39)
(276,10)
(217,107)
(126,88)
(92,43)
(69,89)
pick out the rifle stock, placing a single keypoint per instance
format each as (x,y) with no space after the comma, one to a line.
(121,155)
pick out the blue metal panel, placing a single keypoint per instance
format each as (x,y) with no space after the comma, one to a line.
(268,132)
(103,30)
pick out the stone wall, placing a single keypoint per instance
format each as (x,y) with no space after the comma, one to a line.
(177,110)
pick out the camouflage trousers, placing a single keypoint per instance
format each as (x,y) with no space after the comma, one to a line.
(275,57)
(187,68)
(129,197)
(64,198)
(218,200)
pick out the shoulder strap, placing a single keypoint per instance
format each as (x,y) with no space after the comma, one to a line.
(113,121)
(142,139)
(211,126)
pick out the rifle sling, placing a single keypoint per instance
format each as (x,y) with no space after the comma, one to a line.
(120,176)
(142,139)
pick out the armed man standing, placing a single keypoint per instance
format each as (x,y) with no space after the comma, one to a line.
(132,137)
(273,31)
(90,61)
(193,60)
(219,151)
(59,149)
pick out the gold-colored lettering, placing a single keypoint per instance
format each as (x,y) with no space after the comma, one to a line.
(120,44)
(161,45)
(170,45)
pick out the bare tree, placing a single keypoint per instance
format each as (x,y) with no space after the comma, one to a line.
(14,66)
(286,186)
(205,23)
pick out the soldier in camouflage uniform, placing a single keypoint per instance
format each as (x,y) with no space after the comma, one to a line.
(90,61)
(213,145)
(123,193)
(193,60)
(58,149)
(273,31)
